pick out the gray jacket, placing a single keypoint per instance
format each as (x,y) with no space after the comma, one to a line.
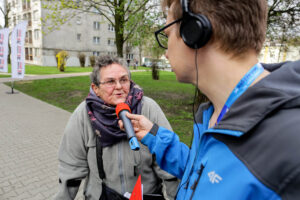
(77,160)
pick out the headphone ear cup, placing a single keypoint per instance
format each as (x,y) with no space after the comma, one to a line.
(195,31)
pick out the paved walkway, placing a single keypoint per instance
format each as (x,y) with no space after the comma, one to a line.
(30,133)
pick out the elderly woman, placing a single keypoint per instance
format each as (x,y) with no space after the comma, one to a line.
(95,149)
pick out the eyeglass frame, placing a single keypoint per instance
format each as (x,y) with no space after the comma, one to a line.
(115,82)
(163,34)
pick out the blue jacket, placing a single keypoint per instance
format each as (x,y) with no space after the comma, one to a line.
(253,153)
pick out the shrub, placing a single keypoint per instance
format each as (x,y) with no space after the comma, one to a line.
(56,51)
(62,58)
(92,61)
(81,57)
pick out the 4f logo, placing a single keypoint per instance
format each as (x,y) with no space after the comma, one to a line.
(214,177)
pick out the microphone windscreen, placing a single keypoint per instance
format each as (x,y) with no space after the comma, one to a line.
(122,106)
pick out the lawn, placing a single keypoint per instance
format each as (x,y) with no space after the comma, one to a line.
(174,98)
(46,70)
(4,76)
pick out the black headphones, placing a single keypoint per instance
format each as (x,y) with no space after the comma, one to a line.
(195,29)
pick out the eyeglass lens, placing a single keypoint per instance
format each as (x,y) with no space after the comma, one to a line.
(163,40)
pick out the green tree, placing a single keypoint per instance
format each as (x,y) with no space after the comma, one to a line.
(5,12)
(283,19)
(123,15)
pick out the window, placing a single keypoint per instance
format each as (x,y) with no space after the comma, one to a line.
(111,28)
(30,54)
(36,52)
(78,20)
(112,53)
(26,54)
(35,15)
(129,56)
(96,40)
(36,34)
(29,19)
(30,38)
(96,53)
(111,42)
(96,25)
(78,36)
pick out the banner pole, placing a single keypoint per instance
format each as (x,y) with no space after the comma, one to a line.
(12,86)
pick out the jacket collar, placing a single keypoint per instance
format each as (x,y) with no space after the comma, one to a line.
(277,90)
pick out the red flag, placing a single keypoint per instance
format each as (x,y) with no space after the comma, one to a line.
(137,193)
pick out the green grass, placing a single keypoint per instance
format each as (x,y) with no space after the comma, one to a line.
(46,70)
(4,76)
(140,68)
(174,98)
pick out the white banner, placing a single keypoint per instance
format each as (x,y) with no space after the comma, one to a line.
(4,34)
(17,55)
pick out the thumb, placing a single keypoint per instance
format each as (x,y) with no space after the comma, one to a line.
(133,116)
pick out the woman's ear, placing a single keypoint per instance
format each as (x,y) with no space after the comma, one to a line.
(95,88)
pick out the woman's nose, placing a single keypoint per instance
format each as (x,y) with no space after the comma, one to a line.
(118,84)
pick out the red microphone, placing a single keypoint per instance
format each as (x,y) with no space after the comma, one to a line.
(121,110)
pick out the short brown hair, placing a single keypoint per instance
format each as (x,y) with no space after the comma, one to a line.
(238,25)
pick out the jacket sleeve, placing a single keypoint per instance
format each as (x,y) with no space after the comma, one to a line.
(171,154)
(73,166)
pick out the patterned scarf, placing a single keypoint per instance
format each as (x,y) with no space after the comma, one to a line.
(103,116)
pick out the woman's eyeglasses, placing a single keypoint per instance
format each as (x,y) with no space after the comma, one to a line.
(161,37)
(113,82)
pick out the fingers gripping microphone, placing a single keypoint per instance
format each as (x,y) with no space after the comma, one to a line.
(121,110)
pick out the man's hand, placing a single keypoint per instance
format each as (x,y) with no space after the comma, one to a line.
(141,125)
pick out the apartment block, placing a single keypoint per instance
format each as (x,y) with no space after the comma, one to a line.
(88,33)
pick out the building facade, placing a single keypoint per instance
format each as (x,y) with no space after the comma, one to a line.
(274,52)
(88,33)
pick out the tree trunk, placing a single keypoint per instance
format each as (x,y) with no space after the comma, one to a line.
(119,26)
(6,25)
(140,53)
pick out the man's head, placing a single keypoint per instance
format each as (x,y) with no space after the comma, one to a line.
(238,25)
(110,80)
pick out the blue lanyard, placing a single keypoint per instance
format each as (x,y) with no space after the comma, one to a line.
(241,87)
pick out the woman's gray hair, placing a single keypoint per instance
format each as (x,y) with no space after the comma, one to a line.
(104,61)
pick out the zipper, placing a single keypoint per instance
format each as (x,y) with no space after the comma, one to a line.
(194,186)
(121,168)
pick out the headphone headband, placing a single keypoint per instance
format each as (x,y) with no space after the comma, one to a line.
(185,6)
(195,29)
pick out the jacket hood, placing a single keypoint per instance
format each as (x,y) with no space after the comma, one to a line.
(279,90)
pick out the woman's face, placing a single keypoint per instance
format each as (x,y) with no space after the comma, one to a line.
(114,84)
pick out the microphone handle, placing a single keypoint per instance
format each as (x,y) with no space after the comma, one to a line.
(133,142)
